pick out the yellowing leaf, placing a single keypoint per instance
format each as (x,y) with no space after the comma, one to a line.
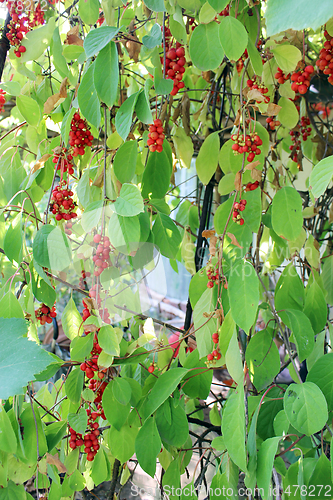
(287,57)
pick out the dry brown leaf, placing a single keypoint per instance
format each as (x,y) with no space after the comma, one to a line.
(238,117)
(212,245)
(40,163)
(186,113)
(63,88)
(206,75)
(191,343)
(255,95)
(90,303)
(132,44)
(177,111)
(208,233)
(272,109)
(234,240)
(57,150)
(51,103)
(99,181)
(54,460)
(73,38)
(252,165)
(90,328)
(256,174)
(238,181)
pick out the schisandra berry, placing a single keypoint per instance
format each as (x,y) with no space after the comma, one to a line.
(151,368)
(305,128)
(64,161)
(83,280)
(248,145)
(156,136)
(225,12)
(240,62)
(102,256)
(80,136)
(2,100)
(301,80)
(253,84)
(325,61)
(174,66)
(296,146)
(281,76)
(62,204)
(238,207)
(251,186)
(44,314)
(272,123)
(212,275)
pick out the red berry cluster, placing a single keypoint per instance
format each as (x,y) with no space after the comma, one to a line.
(251,186)
(156,136)
(240,62)
(62,204)
(296,146)
(2,100)
(68,228)
(212,275)
(98,388)
(85,313)
(90,366)
(272,123)
(45,314)
(253,85)
(174,66)
(82,281)
(102,256)
(64,162)
(192,23)
(79,135)
(167,35)
(301,80)
(305,128)
(249,145)
(281,76)
(103,312)
(215,355)
(90,440)
(151,368)
(325,61)
(225,12)
(238,207)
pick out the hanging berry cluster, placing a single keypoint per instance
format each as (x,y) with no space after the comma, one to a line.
(272,123)
(80,136)
(90,366)
(83,280)
(156,136)
(281,76)
(215,355)
(225,12)
(90,440)
(44,314)
(86,312)
(2,100)
(62,204)
(174,66)
(301,79)
(212,275)
(102,256)
(64,161)
(240,62)
(305,127)
(21,22)
(238,207)
(325,61)
(251,186)
(254,85)
(249,145)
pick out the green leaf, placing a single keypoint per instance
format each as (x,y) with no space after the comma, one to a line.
(12,244)
(263,359)
(164,386)
(148,446)
(29,109)
(198,382)
(108,340)
(251,479)
(10,306)
(8,441)
(71,320)
(207,160)
(281,15)
(121,390)
(12,88)
(321,374)
(289,291)
(155,5)
(13,492)
(37,40)
(51,248)
(129,202)
(142,107)
(321,176)
(287,217)
(124,162)
(89,11)
(99,469)
(30,420)
(320,480)
(72,52)
(205,48)
(243,290)
(88,99)
(124,233)
(234,361)
(233,427)
(78,421)
(124,116)
(20,358)
(167,238)
(301,327)
(81,347)
(106,74)
(315,307)
(327,275)
(172,423)
(305,407)
(98,38)
(92,215)
(56,50)
(122,442)
(205,327)
(54,433)
(156,176)
(288,114)
(207,13)
(287,56)
(154,38)
(76,480)
(233,37)
(162,85)
(74,385)
(218,5)
(183,146)
(266,456)
(115,412)
(255,57)
(66,124)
